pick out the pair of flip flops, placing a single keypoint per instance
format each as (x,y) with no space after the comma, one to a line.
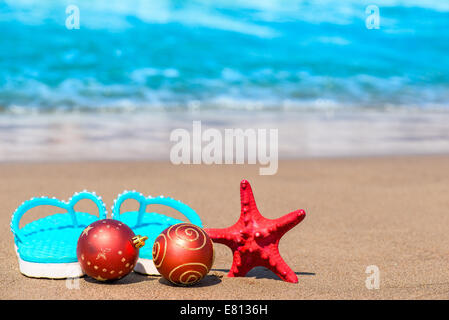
(46,248)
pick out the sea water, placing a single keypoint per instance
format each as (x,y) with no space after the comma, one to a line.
(307,64)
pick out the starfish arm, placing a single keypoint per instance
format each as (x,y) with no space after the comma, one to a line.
(280,268)
(226,236)
(241,265)
(285,223)
(247,201)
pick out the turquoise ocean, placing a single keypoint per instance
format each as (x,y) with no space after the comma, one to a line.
(318,58)
(223,54)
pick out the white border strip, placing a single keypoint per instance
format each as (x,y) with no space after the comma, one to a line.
(49,270)
(146,266)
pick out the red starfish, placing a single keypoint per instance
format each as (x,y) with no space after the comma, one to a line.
(254,239)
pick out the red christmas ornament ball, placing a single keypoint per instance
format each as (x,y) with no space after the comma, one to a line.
(183,254)
(108,249)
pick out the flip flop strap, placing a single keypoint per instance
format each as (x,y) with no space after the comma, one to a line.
(144,202)
(68,206)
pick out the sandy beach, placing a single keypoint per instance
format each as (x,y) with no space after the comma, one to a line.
(391,212)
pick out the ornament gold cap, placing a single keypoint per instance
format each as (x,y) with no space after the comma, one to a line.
(139,241)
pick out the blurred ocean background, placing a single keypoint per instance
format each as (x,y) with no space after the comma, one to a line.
(135,70)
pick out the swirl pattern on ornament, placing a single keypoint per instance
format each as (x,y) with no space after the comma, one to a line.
(184,232)
(159,245)
(189,276)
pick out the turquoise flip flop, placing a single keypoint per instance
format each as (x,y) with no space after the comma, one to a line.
(46,248)
(150,224)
